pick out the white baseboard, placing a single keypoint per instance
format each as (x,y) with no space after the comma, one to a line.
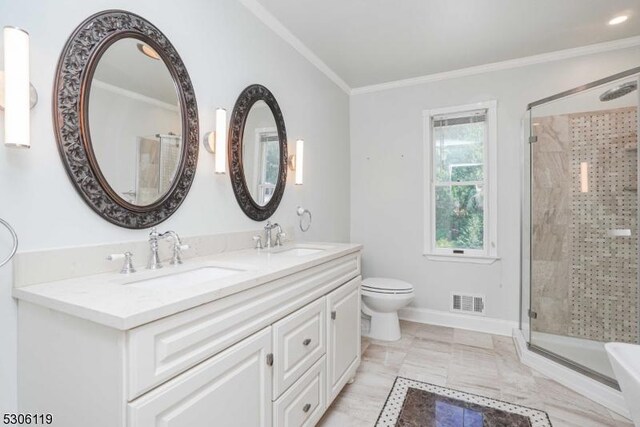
(592,389)
(456,320)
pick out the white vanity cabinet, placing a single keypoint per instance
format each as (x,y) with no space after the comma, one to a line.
(230,389)
(275,354)
(343,346)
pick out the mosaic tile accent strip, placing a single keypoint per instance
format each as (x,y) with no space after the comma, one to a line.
(603,296)
(415,403)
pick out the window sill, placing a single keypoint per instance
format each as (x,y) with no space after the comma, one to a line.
(468,259)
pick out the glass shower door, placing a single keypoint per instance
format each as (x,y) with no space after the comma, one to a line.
(584,224)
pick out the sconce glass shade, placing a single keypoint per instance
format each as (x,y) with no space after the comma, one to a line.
(299,161)
(17,93)
(221,140)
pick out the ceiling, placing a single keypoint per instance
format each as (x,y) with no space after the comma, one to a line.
(367,42)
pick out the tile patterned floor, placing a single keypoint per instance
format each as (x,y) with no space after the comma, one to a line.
(469,361)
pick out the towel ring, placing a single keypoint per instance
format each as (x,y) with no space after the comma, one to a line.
(15,242)
(301,213)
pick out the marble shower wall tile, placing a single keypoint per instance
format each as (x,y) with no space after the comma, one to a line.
(551,215)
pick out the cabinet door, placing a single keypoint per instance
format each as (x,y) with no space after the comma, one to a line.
(232,388)
(343,342)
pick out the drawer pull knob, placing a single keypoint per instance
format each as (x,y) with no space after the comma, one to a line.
(307,341)
(306,407)
(333,315)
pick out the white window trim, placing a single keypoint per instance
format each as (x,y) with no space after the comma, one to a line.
(259,162)
(490,254)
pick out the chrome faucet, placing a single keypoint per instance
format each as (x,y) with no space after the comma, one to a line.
(154,257)
(267,234)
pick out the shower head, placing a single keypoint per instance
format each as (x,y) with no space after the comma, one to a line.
(619,91)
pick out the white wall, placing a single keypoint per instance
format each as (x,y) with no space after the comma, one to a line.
(225,48)
(387,175)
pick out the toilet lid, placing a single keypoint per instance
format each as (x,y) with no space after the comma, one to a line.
(384,284)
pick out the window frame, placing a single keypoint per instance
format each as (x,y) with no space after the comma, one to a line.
(260,161)
(489,254)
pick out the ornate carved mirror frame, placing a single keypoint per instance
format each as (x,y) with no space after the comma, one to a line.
(74,74)
(247,98)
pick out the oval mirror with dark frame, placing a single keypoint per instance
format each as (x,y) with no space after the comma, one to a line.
(257,152)
(126,119)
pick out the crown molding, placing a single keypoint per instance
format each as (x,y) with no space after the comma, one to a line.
(277,27)
(134,95)
(504,65)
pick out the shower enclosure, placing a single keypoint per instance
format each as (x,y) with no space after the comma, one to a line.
(580,274)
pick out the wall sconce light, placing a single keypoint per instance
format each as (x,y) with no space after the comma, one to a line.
(18,95)
(216,142)
(296,162)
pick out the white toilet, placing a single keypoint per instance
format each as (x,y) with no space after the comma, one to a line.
(381,299)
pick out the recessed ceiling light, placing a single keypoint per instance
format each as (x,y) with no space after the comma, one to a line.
(618,20)
(149,51)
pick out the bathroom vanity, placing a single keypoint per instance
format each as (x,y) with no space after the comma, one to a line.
(244,338)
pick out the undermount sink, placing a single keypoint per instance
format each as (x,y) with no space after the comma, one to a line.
(299,250)
(187,278)
(625,359)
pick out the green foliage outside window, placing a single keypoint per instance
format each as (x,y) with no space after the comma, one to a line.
(459,158)
(272,163)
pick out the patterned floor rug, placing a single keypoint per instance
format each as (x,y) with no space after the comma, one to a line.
(416,404)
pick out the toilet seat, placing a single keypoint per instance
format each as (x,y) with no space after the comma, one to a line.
(385,291)
(380,285)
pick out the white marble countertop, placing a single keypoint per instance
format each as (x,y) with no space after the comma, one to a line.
(109,299)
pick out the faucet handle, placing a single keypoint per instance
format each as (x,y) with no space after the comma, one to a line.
(258,241)
(280,238)
(127,267)
(176,259)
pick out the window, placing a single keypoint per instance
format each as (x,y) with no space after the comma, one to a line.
(268,145)
(460,199)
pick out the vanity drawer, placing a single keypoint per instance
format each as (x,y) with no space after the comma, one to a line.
(305,402)
(158,351)
(299,340)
